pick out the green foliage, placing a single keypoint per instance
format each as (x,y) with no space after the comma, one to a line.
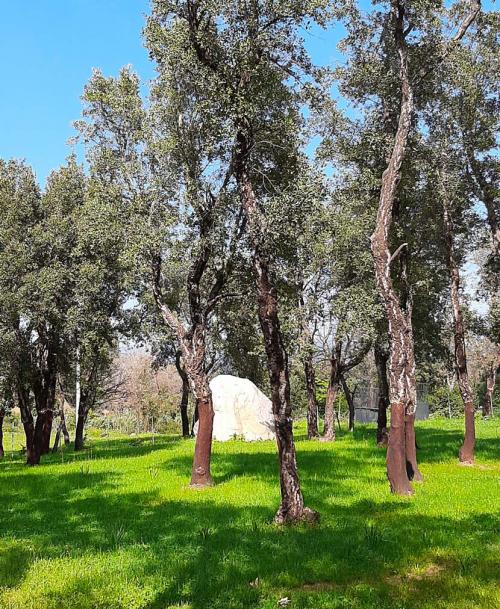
(445,402)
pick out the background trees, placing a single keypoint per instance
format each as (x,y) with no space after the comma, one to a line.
(209,226)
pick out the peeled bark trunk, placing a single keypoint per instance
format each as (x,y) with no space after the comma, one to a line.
(312,404)
(381,358)
(412,470)
(400,335)
(80,429)
(331,395)
(490,388)
(185,395)
(2,416)
(292,503)
(201,475)
(396,452)
(466,453)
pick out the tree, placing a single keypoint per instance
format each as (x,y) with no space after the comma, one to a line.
(405,25)
(159,167)
(241,56)
(38,233)
(447,187)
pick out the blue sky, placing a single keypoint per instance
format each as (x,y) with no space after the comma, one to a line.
(48,49)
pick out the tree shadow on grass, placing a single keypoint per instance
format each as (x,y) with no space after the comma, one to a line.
(210,553)
(436,444)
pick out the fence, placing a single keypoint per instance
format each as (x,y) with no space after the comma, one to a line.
(366,401)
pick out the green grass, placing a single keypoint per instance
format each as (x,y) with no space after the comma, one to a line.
(119,528)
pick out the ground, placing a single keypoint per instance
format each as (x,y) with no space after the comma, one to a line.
(117,527)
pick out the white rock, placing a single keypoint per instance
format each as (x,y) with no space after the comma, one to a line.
(241,409)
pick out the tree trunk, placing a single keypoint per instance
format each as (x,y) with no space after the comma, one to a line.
(312,404)
(64,428)
(55,448)
(201,475)
(350,401)
(396,452)
(2,417)
(331,394)
(400,335)
(80,428)
(46,430)
(466,453)
(412,470)
(292,503)
(185,395)
(490,388)
(32,454)
(381,358)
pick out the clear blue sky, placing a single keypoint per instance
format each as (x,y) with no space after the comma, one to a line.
(48,49)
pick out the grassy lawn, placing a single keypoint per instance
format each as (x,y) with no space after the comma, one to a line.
(118,527)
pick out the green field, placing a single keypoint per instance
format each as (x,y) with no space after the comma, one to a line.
(118,527)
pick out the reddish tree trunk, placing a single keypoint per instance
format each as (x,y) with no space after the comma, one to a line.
(201,475)
(292,503)
(412,470)
(381,358)
(396,452)
(400,335)
(490,388)
(466,453)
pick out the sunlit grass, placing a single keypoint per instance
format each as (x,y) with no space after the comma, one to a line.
(118,527)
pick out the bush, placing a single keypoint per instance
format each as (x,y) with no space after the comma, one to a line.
(445,402)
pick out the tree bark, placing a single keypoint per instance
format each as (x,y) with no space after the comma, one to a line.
(185,395)
(2,417)
(292,503)
(490,388)
(466,453)
(61,430)
(80,429)
(201,475)
(331,395)
(32,454)
(412,469)
(396,452)
(350,401)
(312,403)
(64,428)
(400,334)
(381,358)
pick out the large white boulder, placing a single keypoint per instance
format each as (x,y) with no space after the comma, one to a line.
(241,409)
